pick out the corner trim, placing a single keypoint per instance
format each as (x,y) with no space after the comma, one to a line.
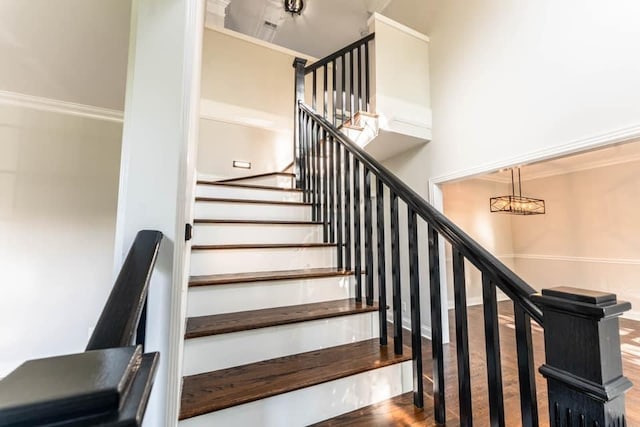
(61,107)
(398,26)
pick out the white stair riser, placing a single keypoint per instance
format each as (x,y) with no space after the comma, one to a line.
(230,192)
(220,234)
(224,261)
(313,404)
(230,210)
(208,354)
(205,300)
(270,181)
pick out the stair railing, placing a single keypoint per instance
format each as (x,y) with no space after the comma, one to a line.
(584,374)
(109,384)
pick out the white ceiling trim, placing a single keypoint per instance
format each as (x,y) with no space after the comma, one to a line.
(61,107)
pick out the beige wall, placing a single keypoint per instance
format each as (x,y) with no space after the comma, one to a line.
(467,204)
(68,50)
(58,191)
(247,99)
(587,239)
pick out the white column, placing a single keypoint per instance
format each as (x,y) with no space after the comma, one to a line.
(157,169)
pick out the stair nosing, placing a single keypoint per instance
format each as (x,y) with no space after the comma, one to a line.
(254,187)
(295,360)
(260,175)
(256,221)
(360,308)
(261,276)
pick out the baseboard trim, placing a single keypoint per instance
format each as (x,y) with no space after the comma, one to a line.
(594,260)
(60,107)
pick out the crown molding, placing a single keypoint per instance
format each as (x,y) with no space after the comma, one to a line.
(62,107)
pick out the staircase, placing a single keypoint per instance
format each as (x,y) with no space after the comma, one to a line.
(274,332)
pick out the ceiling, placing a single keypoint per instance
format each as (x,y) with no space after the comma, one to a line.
(617,154)
(323,27)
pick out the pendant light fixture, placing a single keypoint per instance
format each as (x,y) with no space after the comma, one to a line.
(294,7)
(517,204)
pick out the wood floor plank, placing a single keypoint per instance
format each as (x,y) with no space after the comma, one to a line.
(217,390)
(260,175)
(256,222)
(395,412)
(246,320)
(266,276)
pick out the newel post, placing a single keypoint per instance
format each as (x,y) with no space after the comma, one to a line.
(583,361)
(298,65)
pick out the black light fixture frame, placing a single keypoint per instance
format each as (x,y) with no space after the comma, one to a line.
(294,7)
(517,204)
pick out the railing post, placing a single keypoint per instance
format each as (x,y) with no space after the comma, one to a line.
(583,359)
(298,65)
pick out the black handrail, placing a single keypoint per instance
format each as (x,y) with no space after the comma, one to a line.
(512,285)
(125,309)
(330,58)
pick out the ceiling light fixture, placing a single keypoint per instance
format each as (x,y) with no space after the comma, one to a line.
(517,205)
(294,7)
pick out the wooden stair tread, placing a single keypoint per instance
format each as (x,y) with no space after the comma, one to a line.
(259,175)
(251,201)
(255,221)
(246,320)
(212,391)
(262,246)
(254,187)
(397,411)
(264,276)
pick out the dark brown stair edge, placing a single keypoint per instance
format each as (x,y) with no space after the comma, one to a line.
(256,221)
(216,324)
(213,391)
(251,201)
(254,187)
(266,276)
(262,246)
(397,411)
(260,175)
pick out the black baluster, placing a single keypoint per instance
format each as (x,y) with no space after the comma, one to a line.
(325,186)
(357,253)
(331,193)
(347,210)
(318,176)
(526,368)
(301,124)
(382,287)
(395,274)
(414,290)
(333,87)
(492,342)
(325,97)
(436,327)
(314,156)
(366,75)
(359,78)
(462,340)
(314,103)
(351,85)
(307,162)
(339,206)
(368,236)
(343,107)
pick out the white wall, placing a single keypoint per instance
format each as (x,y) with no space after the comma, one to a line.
(247,105)
(509,80)
(70,50)
(58,195)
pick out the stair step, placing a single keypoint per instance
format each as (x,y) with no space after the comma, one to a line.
(261,175)
(246,320)
(252,201)
(225,388)
(212,189)
(267,276)
(222,231)
(253,187)
(262,246)
(396,411)
(250,209)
